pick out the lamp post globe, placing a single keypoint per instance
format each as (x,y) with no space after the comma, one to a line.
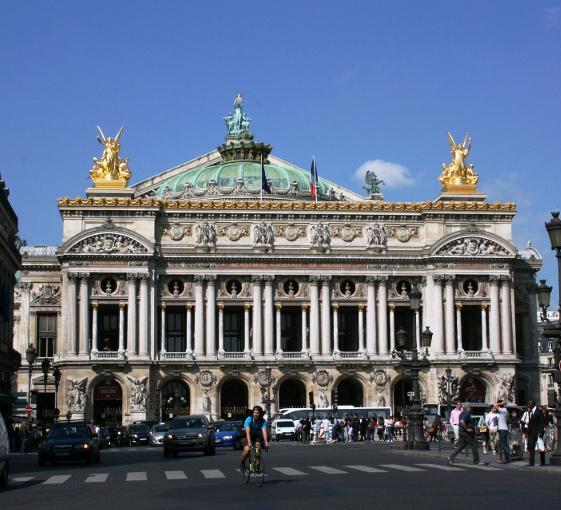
(415,299)
(56,375)
(543,293)
(426,338)
(30,356)
(401,339)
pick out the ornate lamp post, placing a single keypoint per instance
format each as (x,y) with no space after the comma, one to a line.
(30,356)
(543,292)
(552,330)
(45,368)
(56,375)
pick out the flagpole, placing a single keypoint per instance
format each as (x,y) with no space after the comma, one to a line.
(261,174)
(315,177)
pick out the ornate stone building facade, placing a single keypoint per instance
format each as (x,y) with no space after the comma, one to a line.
(197,291)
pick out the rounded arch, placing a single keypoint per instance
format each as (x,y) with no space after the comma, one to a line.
(108,397)
(292,393)
(444,247)
(474,389)
(234,398)
(175,397)
(349,392)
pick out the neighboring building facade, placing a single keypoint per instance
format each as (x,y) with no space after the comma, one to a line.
(197,291)
(546,347)
(9,265)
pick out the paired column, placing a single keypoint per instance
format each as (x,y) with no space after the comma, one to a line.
(335,328)
(188,328)
(494,319)
(143,317)
(131,315)
(438,330)
(459,326)
(246,328)
(94,328)
(257,314)
(220,328)
(314,315)
(361,327)
(450,316)
(199,315)
(163,328)
(269,316)
(391,307)
(278,309)
(72,300)
(371,316)
(484,335)
(84,315)
(210,316)
(382,315)
(325,316)
(122,348)
(506,316)
(304,327)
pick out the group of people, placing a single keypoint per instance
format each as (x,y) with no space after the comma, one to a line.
(494,429)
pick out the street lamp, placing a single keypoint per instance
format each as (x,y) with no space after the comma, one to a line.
(415,304)
(30,356)
(543,292)
(56,375)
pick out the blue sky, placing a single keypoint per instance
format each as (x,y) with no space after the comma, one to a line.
(349,81)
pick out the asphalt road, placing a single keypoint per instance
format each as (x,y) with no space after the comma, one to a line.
(298,477)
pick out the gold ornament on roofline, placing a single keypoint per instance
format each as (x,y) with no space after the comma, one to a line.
(457,176)
(111,172)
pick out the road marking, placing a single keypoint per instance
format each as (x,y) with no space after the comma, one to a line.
(289,471)
(56,479)
(441,467)
(97,478)
(212,473)
(367,469)
(482,467)
(399,467)
(175,475)
(21,479)
(136,476)
(328,470)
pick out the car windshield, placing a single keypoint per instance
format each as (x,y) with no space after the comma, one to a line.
(224,426)
(68,432)
(160,428)
(139,428)
(285,423)
(186,423)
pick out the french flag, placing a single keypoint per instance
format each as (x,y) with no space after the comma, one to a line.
(314,180)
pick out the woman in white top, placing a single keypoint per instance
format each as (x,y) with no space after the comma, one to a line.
(492,420)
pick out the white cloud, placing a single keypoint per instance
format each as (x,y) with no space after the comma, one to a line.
(393,174)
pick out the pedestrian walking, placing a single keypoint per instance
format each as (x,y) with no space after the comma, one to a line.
(466,437)
(535,421)
(492,421)
(502,421)
(380,428)
(455,420)
(483,432)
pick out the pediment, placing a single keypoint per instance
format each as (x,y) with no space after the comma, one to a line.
(473,244)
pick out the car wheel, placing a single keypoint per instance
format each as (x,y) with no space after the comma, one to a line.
(4,475)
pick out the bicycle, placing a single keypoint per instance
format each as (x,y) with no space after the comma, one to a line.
(254,465)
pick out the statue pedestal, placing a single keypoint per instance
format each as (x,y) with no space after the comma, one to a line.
(461,196)
(110,192)
(376,197)
(137,416)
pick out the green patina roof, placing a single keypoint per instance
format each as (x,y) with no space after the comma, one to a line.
(227,173)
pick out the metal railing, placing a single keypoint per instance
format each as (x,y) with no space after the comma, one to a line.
(165,355)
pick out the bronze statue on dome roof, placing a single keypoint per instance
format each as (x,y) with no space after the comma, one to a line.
(238,121)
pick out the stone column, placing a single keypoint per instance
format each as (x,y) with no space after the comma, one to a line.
(153,278)
(278,308)
(199,315)
(143,317)
(220,328)
(163,328)
(210,316)
(84,316)
(72,303)
(122,349)
(459,326)
(484,335)
(418,330)
(25,315)
(314,315)
(506,326)
(361,327)
(335,307)
(371,316)
(494,319)
(450,316)
(95,338)
(382,315)
(131,314)
(436,304)
(513,321)
(391,307)
(246,328)
(325,316)
(304,327)
(269,324)
(188,328)
(257,314)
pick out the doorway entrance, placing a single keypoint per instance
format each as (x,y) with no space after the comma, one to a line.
(108,404)
(233,400)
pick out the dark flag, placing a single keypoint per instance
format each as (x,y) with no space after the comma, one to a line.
(314,180)
(264,184)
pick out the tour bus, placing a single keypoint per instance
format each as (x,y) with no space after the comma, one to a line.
(299,413)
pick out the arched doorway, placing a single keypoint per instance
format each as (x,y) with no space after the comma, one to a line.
(175,399)
(292,393)
(233,400)
(473,390)
(108,403)
(349,393)
(401,399)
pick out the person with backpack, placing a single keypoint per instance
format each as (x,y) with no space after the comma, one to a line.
(256,431)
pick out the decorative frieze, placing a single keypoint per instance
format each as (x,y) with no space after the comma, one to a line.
(473,247)
(403,233)
(109,244)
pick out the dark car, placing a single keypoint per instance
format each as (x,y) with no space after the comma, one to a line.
(104,437)
(69,441)
(193,433)
(229,433)
(119,436)
(139,434)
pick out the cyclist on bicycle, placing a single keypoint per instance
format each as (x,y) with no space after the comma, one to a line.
(255,428)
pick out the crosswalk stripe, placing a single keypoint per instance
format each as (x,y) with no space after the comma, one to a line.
(289,471)
(367,469)
(175,475)
(441,467)
(482,467)
(56,479)
(399,467)
(136,476)
(328,470)
(213,473)
(97,478)
(21,479)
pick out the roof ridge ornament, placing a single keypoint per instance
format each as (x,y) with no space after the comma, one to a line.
(373,185)
(112,171)
(238,121)
(457,176)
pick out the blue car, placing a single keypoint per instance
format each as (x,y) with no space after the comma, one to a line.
(228,433)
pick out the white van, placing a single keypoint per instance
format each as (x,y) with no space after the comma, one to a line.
(4,452)
(282,429)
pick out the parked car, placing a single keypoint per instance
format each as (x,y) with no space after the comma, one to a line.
(283,429)
(119,436)
(69,441)
(229,433)
(139,434)
(157,433)
(188,434)
(104,437)
(4,454)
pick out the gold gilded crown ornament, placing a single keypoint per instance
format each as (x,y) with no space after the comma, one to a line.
(111,171)
(457,176)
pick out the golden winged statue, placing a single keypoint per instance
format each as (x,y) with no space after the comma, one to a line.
(458,176)
(111,171)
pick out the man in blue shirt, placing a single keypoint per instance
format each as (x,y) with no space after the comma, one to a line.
(255,428)
(467,437)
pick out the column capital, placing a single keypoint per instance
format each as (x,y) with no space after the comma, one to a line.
(210,278)
(247,306)
(256,280)
(94,305)
(391,306)
(485,306)
(278,306)
(494,279)
(132,277)
(438,278)
(163,306)
(335,306)
(143,277)
(199,279)
(314,279)
(189,306)
(73,277)
(361,306)
(371,280)
(122,305)
(220,306)
(268,279)
(325,278)
(449,278)
(505,278)
(304,306)
(459,306)
(382,278)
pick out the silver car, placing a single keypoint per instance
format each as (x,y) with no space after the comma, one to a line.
(157,434)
